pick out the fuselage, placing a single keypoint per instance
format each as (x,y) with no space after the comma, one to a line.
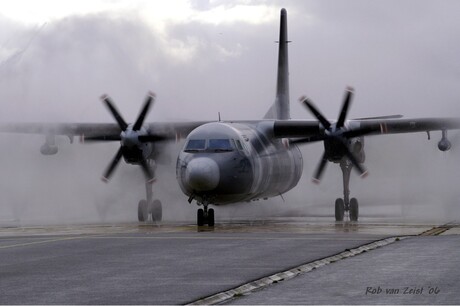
(223,163)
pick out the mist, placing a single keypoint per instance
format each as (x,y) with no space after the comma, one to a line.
(400,56)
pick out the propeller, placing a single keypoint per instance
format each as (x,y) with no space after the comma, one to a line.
(112,166)
(335,136)
(133,139)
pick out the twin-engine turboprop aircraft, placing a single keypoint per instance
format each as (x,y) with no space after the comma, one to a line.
(240,161)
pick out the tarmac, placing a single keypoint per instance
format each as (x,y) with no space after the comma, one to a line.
(276,261)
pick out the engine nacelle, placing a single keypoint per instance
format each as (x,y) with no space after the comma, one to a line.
(48,149)
(444,145)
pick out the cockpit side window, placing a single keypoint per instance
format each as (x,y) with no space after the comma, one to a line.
(220,145)
(239,145)
(194,145)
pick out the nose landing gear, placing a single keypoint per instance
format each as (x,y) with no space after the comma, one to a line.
(205,216)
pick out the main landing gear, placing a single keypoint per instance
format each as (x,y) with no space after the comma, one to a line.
(205,216)
(346,204)
(149,207)
(341,207)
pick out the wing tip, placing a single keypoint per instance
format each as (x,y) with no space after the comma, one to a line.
(350,88)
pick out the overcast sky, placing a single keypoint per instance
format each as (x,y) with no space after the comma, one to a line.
(203,57)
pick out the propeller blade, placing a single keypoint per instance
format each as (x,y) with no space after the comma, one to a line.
(152,138)
(345,107)
(315,112)
(320,169)
(108,102)
(143,113)
(115,161)
(98,138)
(147,172)
(359,167)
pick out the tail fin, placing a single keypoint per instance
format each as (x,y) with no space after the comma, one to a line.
(280,109)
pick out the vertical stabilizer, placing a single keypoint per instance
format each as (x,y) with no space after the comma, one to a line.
(280,109)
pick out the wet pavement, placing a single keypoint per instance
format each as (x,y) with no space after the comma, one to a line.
(178,263)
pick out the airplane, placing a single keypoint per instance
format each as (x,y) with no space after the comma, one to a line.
(226,162)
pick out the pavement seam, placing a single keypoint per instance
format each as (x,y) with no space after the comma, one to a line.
(247,288)
(435,231)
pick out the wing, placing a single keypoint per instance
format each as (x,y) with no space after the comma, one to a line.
(99,132)
(361,127)
(107,131)
(397,126)
(337,135)
(174,129)
(67,129)
(168,129)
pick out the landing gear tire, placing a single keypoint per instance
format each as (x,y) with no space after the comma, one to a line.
(156,210)
(200,217)
(354,209)
(142,214)
(339,209)
(211,217)
(203,217)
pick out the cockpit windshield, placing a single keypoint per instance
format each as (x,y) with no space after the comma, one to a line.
(195,145)
(220,145)
(210,145)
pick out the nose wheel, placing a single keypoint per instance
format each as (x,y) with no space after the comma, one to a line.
(205,216)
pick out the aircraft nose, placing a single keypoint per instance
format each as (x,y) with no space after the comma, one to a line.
(202,174)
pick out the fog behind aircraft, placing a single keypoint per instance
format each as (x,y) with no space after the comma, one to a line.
(227,162)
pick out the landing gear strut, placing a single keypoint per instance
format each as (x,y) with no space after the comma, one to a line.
(346,204)
(205,216)
(149,207)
